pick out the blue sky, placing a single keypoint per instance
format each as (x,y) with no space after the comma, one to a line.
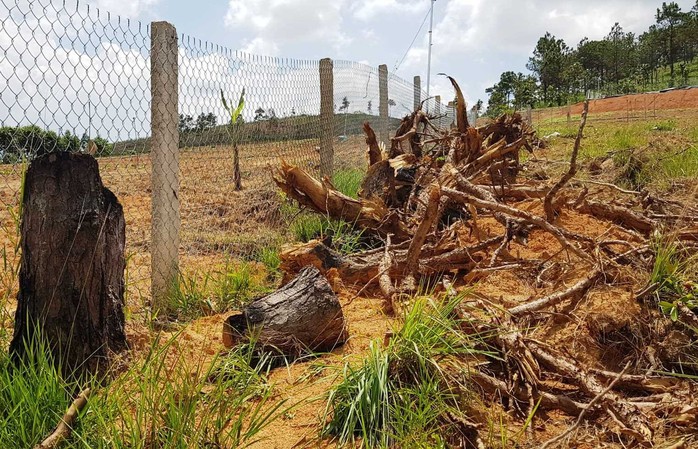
(474,40)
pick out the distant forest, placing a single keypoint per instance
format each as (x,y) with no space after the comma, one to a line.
(662,57)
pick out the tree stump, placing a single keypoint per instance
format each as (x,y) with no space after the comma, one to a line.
(71,278)
(302,317)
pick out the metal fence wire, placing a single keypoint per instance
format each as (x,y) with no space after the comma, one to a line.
(194,177)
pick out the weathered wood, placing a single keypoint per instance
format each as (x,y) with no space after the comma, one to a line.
(65,426)
(71,279)
(302,317)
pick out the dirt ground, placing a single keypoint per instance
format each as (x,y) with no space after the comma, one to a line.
(652,101)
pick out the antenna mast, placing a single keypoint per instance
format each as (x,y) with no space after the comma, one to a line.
(431,28)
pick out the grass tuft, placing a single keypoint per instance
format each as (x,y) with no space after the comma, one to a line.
(400,394)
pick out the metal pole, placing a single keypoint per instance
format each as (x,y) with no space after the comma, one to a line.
(431,28)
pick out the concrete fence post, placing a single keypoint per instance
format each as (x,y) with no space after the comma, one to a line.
(383,106)
(326,117)
(437,109)
(164,154)
(417,92)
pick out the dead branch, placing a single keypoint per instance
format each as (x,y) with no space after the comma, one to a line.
(513,212)
(553,441)
(621,215)
(424,227)
(323,198)
(384,281)
(576,291)
(65,426)
(635,422)
(374,152)
(548,204)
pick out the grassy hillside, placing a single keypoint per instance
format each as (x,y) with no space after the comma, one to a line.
(298,127)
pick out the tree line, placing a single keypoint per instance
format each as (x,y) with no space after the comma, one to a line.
(18,142)
(620,63)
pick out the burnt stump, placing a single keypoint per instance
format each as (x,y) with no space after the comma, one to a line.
(71,278)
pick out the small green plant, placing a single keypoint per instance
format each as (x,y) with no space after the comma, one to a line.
(348,181)
(672,287)
(668,125)
(187,298)
(236,286)
(401,392)
(269,256)
(236,120)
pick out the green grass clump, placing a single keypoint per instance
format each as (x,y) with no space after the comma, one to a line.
(673,278)
(399,395)
(167,401)
(348,181)
(668,125)
(32,396)
(270,258)
(202,294)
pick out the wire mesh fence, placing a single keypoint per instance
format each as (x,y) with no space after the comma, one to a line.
(160,112)
(668,104)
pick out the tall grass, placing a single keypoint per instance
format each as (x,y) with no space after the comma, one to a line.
(166,400)
(230,287)
(32,396)
(400,393)
(674,278)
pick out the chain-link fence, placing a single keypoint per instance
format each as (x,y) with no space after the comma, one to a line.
(193,173)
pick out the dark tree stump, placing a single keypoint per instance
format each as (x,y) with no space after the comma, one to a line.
(71,278)
(302,317)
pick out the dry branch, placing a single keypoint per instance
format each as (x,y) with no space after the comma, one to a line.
(576,291)
(374,151)
(65,426)
(548,204)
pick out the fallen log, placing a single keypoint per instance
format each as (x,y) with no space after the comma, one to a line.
(322,197)
(302,317)
(363,268)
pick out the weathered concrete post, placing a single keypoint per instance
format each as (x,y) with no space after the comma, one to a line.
(383,103)
(417,92)
(326,117)
(437,109)
(164,155)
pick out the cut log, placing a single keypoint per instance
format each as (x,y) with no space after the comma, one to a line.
(71,279)
(302,317)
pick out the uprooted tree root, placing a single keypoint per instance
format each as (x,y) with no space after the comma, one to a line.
(452,202)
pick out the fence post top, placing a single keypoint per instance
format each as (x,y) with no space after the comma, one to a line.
(161,24)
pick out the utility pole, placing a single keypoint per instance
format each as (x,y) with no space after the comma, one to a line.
(431,28)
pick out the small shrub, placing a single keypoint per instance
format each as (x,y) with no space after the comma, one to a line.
(668,125)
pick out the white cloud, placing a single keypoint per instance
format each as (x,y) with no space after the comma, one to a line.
(132,9)
(260,46)
(382,10)
(278,23)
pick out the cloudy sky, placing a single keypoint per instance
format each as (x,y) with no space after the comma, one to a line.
(64,67)
(474,40)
